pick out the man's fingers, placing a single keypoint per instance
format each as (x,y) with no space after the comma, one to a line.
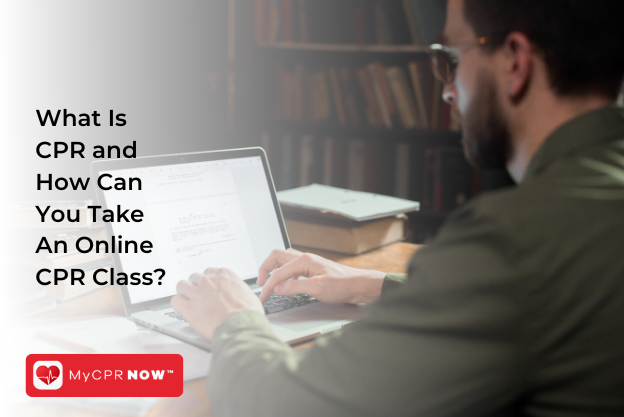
(295,268)
(194,279)
(210,271)
(297,286)
(186,289)
(277,258)
(180,305)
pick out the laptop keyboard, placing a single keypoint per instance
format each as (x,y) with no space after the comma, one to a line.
(277,303)
(175,315)
(274,304)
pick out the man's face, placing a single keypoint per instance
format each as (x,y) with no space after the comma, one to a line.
(486,136)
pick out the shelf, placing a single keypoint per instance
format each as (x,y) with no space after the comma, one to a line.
(328,47)
(438,137)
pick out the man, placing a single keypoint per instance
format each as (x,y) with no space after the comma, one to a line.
(517,308)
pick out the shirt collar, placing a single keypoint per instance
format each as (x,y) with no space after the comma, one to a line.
(591,128)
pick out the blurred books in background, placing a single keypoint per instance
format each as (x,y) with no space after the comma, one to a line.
(363,22)
(374,95)
(409,170)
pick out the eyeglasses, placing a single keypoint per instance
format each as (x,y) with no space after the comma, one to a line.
(444,59)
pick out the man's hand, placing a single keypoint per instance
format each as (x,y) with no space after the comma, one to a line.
(326,280)
(208,300)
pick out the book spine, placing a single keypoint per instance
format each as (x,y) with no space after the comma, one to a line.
(316,96)
(309,98)
(382,103)
(359,24)
(316,171)
(279,86)
(351,103)
(287,20)
(402,176)
(403,100)
(410,104)
(322,103)
(385,167)
(379,24)
(417,18)
(328,160)
(288,95)
(373,113)
(303,21)
(411,23)
(385,91)
(340,162)
(385,23)
(356,163)
(418,93)
(371,177)
(287,178)
(273,34)
(298,92)
(306,160)
(338,97)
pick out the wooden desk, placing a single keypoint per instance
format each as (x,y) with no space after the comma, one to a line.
(194,401)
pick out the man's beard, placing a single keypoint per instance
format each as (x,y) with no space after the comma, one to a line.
(486,140)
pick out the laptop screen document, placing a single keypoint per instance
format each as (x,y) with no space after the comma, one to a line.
(197,215)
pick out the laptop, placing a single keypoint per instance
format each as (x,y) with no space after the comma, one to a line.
(205,209)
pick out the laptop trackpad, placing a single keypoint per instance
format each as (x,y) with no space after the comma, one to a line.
(304,320)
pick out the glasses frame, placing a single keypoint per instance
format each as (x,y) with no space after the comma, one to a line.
(452,57)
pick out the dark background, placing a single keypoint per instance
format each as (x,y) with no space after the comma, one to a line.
(188,75)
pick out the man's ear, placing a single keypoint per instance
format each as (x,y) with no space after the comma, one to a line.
(518,53)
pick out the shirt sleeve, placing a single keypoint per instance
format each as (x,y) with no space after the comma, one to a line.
(447,344)
(392,281)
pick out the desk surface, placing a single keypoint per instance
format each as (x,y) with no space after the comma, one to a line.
(194,401)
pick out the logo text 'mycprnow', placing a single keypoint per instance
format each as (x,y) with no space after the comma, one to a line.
(104,375)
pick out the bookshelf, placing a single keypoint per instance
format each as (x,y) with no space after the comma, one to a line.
(282,96)
(397,134)
(322,47)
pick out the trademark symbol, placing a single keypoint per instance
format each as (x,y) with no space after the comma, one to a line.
(169,371)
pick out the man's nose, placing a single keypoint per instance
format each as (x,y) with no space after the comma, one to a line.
(449,93)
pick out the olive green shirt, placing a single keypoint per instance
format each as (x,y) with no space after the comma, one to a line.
(516,308)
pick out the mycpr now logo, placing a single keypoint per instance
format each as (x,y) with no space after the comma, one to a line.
(94,375)
(48,375)
(118,374)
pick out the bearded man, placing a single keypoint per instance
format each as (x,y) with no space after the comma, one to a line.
(517,307)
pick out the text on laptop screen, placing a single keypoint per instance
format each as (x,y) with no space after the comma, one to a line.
(197,215)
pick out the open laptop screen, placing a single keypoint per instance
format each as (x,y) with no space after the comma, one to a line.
(197,215)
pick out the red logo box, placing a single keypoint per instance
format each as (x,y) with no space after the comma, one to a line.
(94,375)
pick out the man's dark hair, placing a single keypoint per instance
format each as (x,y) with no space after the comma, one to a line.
(582,41)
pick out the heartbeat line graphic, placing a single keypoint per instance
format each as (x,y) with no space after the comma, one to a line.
(48,379)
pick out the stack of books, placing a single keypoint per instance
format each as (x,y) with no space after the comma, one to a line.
(56,252)
(343,221)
